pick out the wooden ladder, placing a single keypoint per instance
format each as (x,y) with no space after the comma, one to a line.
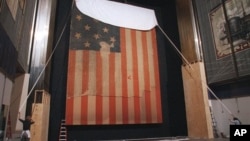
(214,124)
(63,131)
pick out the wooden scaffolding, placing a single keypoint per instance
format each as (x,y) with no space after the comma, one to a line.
(40,114)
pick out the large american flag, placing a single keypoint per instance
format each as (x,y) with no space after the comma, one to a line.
(113,74)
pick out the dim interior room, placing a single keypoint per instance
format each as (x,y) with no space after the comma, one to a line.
(124,69)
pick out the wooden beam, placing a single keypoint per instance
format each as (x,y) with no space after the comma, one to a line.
(196,100)
(194,79)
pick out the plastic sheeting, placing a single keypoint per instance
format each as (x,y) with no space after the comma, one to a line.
(118,14)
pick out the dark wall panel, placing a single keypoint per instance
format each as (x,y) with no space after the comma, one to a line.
(8,55)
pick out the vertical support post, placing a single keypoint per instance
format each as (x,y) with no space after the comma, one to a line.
(196,100)
(194,79)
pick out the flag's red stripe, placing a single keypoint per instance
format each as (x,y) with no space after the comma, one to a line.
(84,97)
(124,77)
(71,73)
(70,87)
(147,91)
(112,98)
(99,102)
(157,78)
(135,77)
(69,113)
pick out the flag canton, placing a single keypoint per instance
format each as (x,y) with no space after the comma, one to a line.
(90,34)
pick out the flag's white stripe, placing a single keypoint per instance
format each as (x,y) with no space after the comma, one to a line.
(92,88)
(105,73)
(118,88)
(152,77)
(118,75)
(130,83)
(77,88)
(105,87)
(141,75)
(92,73)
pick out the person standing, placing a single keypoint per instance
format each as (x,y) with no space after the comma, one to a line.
(235,121)
(26,127)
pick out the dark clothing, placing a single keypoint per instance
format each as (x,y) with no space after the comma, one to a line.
(236,121)
(26,124)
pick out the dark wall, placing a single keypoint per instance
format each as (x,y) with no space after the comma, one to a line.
(8,55)
(173,107)
(238,88)
(59,68)
(17,29)
(228,76)
(221,65)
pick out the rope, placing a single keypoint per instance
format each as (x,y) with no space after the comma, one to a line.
(187,63)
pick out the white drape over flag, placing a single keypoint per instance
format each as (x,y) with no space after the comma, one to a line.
(118,14)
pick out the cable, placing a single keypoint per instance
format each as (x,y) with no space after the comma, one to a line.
(187,63)
(175,47)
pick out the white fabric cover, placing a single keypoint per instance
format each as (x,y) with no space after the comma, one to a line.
(118,14)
